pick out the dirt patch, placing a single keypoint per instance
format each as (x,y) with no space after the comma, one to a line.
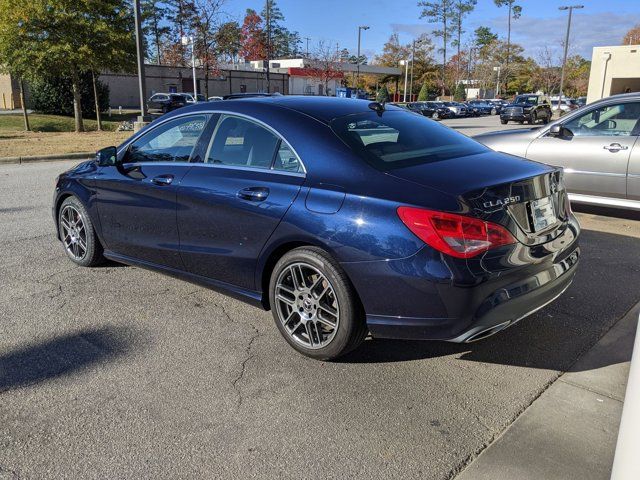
(17,144)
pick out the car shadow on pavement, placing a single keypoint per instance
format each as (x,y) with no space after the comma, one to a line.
(604,290)
(62,356)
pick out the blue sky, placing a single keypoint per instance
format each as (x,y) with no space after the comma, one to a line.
(601,22)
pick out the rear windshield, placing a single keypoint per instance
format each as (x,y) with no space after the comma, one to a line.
(397,139)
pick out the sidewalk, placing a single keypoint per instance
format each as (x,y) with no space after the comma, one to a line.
(570,431)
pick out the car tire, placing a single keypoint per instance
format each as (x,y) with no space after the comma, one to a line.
(494,111)
(315,306)
(504,122)
(77,234)
(435,116)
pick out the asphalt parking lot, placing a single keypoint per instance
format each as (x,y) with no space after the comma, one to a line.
(119,372)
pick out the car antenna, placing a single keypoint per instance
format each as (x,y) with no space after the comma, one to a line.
(377,107)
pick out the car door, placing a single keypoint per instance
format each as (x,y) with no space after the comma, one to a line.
(136,198)
(231,203)
(595,149)
(633,178)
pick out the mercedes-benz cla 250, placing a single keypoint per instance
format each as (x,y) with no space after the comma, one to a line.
(341,216)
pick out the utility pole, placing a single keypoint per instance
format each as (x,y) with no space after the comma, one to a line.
(469,71)
(498,81)
(566,46)
(307,39)
(143,119)
(406,74)
(360,28)
(186,41)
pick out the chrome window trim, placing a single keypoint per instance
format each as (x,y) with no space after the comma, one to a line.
(270,171)
(590,172)
(223,112)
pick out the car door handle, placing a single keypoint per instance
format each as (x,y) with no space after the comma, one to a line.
(254,194)
(615,147)
(162,180)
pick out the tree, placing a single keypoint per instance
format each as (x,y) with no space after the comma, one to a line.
(181,15)
(632,37)
(228,41)
(546,74)
(252,46)
(460,94)
(424,92)
(205,25)
(392,53)
(440,12)
(483,36)
(383,94)
(461,8)
(154,14)
(325,64)
(65,38)
(514,12)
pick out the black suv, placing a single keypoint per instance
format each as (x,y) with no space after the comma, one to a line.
(527,108)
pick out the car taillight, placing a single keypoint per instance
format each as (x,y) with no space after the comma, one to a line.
(456,235)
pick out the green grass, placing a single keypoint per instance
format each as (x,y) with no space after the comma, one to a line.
(58,123)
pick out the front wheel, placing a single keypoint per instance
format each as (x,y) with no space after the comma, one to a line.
(503,122)
(314,305)
(435,116)
(78,236)
(493,111)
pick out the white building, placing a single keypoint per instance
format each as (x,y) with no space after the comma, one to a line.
(614,70)
(303,79)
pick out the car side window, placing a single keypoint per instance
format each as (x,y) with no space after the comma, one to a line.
(173,141)
(286,160)
(611,120)
(241,142)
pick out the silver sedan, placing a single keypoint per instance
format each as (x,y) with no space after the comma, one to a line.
(597,145)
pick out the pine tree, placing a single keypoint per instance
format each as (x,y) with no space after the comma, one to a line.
(382,95)
(460,94)
(424,92)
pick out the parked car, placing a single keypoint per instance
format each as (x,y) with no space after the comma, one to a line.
(581,101)
(438,110)
(192,99)
(165,102)
(341,216)
(482,107)
(527,108)
(458,109)
(596,145)
(564,106)
(215,98)
(498,105)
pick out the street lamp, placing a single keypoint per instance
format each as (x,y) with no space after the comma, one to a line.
(142,119)
(360,28)
(498,81)
(189,41)
(566,46)
(406,74)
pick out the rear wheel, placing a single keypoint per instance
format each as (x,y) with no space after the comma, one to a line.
(493,111)
(435,116)
(78,235)
(314,304)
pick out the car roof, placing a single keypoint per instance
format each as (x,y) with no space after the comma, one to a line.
(321,108)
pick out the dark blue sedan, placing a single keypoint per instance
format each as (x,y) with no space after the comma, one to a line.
(341,216)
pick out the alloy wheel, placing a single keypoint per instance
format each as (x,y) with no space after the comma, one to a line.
(307,305)
(74,234)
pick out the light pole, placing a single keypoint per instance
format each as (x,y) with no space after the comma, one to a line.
(186,41)
(406,74)
(142,119)
(413,56)
(566,46)
(498,81)
(360,28)
(471,50)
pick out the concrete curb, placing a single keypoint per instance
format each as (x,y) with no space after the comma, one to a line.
(46,158)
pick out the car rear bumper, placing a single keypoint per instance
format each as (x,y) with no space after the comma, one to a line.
(505,306)
(431,296)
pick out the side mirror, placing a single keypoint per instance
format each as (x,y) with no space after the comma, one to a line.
(107,157)
(555,130)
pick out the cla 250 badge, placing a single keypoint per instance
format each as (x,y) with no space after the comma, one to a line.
(501,202)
